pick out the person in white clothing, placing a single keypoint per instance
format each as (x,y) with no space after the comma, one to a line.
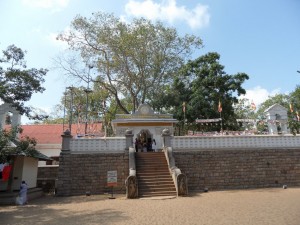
(23,192)
(154,146)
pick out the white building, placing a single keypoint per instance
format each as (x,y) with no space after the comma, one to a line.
(277,119)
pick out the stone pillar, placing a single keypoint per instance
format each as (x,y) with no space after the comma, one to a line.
(66,139)
(166,135)
(129,138)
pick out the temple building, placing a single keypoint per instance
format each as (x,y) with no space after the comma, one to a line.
(145,124)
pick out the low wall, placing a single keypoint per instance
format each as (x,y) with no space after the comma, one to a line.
(89,145)
(235,142)
(237,169)
(83,172)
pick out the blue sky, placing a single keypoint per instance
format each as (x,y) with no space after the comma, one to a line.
(260,38)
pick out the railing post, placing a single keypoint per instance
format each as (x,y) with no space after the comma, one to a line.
(129,138)
(66,139)
(166,135)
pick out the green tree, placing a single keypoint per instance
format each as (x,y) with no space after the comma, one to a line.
(135,60)
(294,111)
(10,147)
(243,109)
(17,82)
(201,84)
(281,99)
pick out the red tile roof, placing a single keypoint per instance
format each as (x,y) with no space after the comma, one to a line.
(51,133)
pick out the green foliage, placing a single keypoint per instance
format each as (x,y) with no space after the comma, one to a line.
(10,146)
(294,101)
(243,109)
(202,83)
(136,60)
(17,82)
(281,99)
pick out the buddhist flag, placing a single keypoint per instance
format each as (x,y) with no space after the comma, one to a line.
(253,106)
(220,107)
(291,108)
(183,107)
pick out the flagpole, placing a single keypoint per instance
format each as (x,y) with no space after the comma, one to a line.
(220,111)
(183,108)
(221,123)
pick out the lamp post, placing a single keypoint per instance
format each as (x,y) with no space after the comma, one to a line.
(71,108)
(65,94)
(87,91)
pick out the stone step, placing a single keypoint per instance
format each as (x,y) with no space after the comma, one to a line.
(153,170)
(157,182)
(153,175)
(155,187)
(160,193)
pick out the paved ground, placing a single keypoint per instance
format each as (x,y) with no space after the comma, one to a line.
(242,207)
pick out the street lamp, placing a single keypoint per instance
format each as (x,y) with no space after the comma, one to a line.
(87,91)
(71,108)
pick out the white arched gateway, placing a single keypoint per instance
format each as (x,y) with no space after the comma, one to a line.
(144,123)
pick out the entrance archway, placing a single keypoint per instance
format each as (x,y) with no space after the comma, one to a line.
(143,141)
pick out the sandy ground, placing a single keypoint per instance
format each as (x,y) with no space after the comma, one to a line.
(242,207)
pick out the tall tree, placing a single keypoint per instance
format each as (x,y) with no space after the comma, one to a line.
(203,84)
(244,110)
(135,60)
(17,82)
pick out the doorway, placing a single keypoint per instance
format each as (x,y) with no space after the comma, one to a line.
(143,141)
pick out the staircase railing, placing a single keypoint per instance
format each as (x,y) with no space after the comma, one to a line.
(131,182)
(180,179)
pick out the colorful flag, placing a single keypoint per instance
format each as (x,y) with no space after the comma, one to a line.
(183,107)
(220,107)
(291,108)
(253,106)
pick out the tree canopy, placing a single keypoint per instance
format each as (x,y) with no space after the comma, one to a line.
(134,60)
(17,82)
(201,85)
(25,145)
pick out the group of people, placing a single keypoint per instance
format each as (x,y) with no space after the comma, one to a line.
(145,146)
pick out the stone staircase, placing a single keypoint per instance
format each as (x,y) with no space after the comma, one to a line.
(154,178)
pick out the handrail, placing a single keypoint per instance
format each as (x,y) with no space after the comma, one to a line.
(180,179)
(131,181)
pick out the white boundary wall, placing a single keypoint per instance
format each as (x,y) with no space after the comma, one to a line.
(118,144)
(111,144)
(232,142)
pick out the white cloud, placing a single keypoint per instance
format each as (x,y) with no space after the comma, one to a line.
(259,94)
(169,11)
(55,5)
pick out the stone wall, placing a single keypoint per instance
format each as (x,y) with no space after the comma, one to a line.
(46,177)
(238,169)
(213,169)
(82,173)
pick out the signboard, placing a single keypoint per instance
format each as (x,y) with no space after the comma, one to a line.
(112,178)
